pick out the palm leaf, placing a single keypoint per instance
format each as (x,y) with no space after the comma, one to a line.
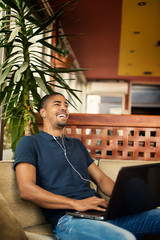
(11,4)
(5,74)
(14,34)
(41,82)
(19,72)
(23,72)
(50,19)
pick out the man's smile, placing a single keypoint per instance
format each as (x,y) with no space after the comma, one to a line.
(63,116)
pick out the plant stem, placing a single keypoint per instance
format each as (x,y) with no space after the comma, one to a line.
(26,76)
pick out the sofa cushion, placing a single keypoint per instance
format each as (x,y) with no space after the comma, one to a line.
(111,167)
(36,236)
(10,228)
(27,213)
(43,229)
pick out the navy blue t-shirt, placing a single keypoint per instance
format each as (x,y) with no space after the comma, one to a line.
(53,172)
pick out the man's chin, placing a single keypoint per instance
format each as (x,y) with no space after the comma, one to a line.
(62,125)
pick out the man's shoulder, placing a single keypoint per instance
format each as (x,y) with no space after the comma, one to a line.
(31,139)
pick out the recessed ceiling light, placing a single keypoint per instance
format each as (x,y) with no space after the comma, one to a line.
(158,43)
(136,32)
(132,51)
(147,73)
(142,3)
(129,64)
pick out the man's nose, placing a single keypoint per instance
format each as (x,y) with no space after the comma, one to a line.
(63,107)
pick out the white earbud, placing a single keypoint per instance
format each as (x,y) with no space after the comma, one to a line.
(43,114)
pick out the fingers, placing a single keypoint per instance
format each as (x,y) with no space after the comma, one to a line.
(92,203)
(99,204)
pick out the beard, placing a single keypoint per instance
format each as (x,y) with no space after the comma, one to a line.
(61,122)
(61,125)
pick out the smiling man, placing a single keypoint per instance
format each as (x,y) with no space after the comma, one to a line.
(54,171)
(54,111)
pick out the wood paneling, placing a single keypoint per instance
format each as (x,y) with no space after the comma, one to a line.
(117,136)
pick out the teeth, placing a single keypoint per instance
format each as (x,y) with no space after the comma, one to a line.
(62,115)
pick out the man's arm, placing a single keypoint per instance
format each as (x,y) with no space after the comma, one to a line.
(26,179)
(104,182)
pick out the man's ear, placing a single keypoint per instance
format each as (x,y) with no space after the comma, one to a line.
(42,113)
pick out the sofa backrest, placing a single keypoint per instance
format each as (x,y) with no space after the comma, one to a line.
(27,213)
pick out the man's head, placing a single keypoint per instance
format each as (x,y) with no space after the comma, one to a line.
(44,100)
(54,110)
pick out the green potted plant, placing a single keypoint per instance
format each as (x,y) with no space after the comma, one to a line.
(23,71)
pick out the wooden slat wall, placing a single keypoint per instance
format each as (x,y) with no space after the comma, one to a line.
(134,137)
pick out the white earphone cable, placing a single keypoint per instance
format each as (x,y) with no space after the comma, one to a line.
(65,154)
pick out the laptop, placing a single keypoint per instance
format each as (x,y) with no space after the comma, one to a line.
(136,190)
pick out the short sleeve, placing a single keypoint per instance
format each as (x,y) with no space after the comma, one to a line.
(26,151)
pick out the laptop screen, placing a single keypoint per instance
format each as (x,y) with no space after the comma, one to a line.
(136,190)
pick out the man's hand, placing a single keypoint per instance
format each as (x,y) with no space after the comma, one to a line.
(92,203)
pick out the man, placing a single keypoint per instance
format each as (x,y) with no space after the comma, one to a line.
(54,171)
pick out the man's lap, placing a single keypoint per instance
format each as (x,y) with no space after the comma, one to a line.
(76,228)
(142,223)
(80,229)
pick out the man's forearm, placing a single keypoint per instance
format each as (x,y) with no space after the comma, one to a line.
(46,199)
(106,186)
(49,200)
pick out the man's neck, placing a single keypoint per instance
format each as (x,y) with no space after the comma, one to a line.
(54,132)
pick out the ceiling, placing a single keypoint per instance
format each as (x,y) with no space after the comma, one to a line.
(116,39)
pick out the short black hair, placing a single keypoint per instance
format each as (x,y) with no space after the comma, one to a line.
(44,100)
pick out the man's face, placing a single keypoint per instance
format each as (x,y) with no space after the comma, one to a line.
(57,111)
